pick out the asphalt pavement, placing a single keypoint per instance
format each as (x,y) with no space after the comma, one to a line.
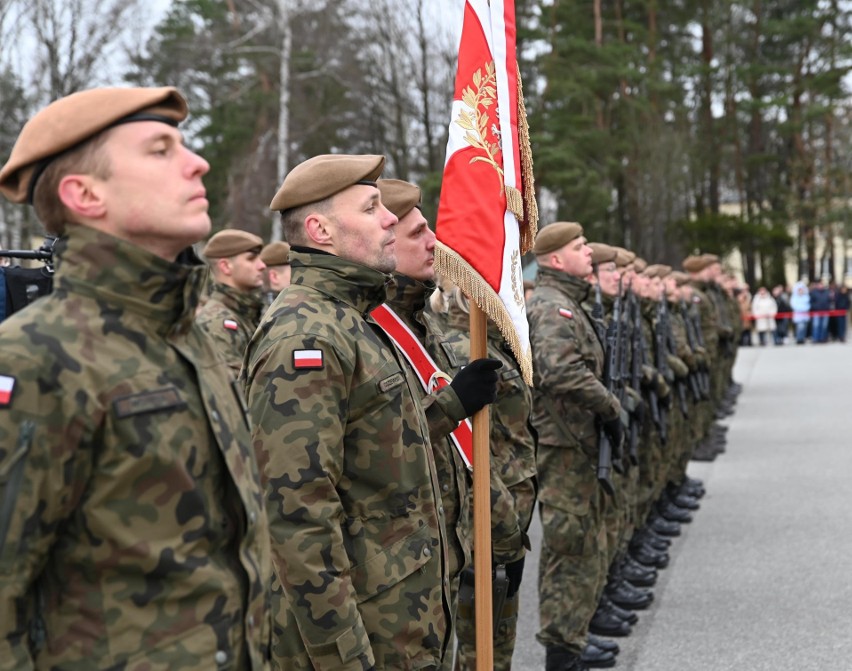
(761,579)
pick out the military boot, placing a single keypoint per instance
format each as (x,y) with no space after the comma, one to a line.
(637,574)
(560,658)
(597,658)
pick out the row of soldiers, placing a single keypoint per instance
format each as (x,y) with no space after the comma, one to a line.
(305,502)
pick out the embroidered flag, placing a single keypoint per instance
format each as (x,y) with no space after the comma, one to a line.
(307,358)
(231,324)
(566,313)
(487,214)
(7,385)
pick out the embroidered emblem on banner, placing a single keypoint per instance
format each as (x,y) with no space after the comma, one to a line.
(7,386)
(307,359)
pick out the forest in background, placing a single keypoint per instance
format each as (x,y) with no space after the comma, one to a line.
(664,127)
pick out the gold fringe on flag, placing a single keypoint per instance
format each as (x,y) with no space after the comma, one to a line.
(451,265)
(529,227)
(514,202)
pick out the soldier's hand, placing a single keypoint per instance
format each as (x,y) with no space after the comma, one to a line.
(613,430)
(476,384)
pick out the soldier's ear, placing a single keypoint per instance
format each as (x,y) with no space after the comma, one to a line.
(318,229)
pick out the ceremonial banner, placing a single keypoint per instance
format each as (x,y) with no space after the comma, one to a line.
(487,214)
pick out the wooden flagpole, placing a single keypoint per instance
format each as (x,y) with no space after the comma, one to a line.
(481,506)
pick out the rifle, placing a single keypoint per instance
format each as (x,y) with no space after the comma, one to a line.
(637,346)
(668,347)
(699,378)
(607,452)
(43,253)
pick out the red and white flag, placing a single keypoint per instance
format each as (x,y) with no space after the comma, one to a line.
(487,215)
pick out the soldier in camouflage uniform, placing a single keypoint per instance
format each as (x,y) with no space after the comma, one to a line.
(470,390)
(276,277)
(513,488)
(570,406)
(354,499)
(133,533)
(232,311)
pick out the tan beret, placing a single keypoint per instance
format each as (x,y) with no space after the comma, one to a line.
(398,196)
(680,278)
(555,236)
(276,254)
(602,253)
(231,242)
(695,264)
(639,264)
(657,270)
(625,257)
(710,259)
(323,176)
(69,121)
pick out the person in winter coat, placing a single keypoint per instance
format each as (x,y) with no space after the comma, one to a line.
(820,306)
(800,302)
(764,308)
(841,302)
(782,317)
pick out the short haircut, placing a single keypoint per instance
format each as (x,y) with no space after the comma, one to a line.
(293,220)
(88,158)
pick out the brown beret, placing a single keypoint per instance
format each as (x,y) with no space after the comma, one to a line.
(602,253)
(323,176)
(398,196)
(639,264)
(231,242)
(695,264)
(680,277)
(625,257)
(555,236)
(657,270)
(276,254)
(71,120)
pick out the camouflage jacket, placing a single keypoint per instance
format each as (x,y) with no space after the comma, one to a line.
(568,361)
(512,441)
(709,318)
(133,533)
(444,411)
(350,478)
(230,317)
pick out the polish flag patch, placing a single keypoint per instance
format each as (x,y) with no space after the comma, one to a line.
(7,386)
(231,325)
(565,312)
(307,359)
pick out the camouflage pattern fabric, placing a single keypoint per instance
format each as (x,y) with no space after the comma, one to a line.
(133,533)
(513,482)
(230,318)
(568,365)
(444,411)
(352,488)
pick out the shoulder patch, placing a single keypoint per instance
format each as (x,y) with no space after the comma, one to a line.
(696,299)
(565,312)
(148,401)
(230,324)
(307,359)
(7,386)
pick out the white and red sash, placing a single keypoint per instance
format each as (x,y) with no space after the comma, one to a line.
(427,371)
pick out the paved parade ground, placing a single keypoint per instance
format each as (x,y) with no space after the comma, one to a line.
(761,579)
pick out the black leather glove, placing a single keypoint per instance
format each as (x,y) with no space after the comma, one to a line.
(514,572)
(614,431)
(476,384)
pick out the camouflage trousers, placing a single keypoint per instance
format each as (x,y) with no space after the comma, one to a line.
(572,570)
(504,636)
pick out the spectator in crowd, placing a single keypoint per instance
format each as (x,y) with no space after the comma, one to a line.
(743,296)
(782,316)
(800,302)
(820,305)
(764,309)
(841,302)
